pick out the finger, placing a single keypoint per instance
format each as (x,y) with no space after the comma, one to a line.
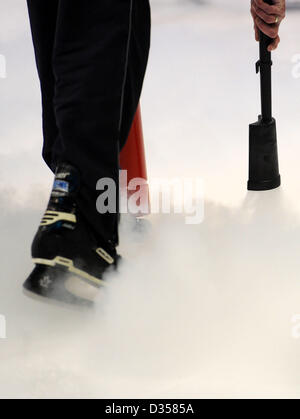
(263,6)
(274,44)
(270,10)
(269,30)
(256,30)
(270,19)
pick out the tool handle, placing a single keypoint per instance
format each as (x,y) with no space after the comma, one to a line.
(265,64)
(265,40)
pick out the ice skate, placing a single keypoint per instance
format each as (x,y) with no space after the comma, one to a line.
(69,260)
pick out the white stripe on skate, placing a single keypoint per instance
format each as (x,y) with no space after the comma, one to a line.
(68,263)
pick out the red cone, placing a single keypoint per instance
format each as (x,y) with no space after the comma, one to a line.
(133,160)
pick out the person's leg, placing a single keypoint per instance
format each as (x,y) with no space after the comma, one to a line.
(137,63)
(99,61)
(90,64)
(43,17)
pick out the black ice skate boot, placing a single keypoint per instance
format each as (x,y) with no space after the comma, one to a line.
(69,260)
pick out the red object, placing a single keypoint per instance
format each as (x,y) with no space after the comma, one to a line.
(132,156)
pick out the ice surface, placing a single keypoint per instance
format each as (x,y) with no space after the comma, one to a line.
(196,311)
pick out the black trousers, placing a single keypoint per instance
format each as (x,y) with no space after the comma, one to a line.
(91,57)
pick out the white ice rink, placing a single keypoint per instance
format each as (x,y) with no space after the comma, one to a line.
(196,311)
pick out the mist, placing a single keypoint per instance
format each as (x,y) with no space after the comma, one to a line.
(199,311)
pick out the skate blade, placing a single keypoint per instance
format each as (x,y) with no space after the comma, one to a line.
(55,284)
(51,302)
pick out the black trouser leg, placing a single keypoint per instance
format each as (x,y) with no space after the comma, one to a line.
(137,63)
(43,16)
(99,47)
